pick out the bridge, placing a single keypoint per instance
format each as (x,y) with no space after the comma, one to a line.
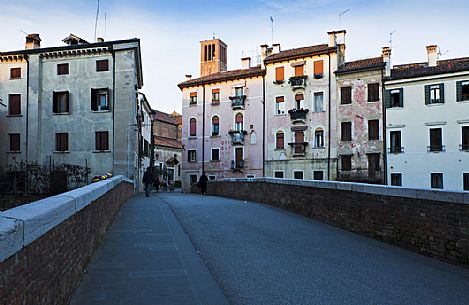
(174,248)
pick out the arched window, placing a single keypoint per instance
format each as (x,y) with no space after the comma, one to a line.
(299,98)
(215,125)
(239,122)
(192,127)
(319,137)
(280,142)
(205,53)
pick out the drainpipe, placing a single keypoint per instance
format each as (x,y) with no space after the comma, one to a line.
(203,131)
(329,122)
(263,125)
(113,106)
(27,122)
(385,153)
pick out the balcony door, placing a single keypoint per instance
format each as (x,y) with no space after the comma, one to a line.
(239,157)
(299,140)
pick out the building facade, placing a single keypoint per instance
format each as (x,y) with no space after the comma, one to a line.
(222,130)
(74,104)
(427,112)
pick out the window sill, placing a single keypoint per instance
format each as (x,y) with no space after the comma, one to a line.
(344,104)
(61,113)
(279,149)
(281,114)
(191,161)
(192,137)
(14,152)
(372,101)
(215,103)
(321,147)
(215,136)
(192,104)
(14,115)
(101,151)
(61,152)
(434,104)
(102,70)
(396,107)
(215,161)
(15,78)
(100,111)
(318,111)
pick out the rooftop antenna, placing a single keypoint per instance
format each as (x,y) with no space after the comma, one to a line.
(390,39)
(442,54)
(213,35)
(272,26)
(23,32)
(96,23)
(340,16)
(105,25)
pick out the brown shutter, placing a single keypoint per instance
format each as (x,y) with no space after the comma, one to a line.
(14,141)
(280,140)
(279,73)
(105,140)
(193,127)
(215,120)
(299,137)
(319,67)
(299,97)
(280,99)
(193,94)
(299,70)
(102,65)
(14,104)
(239,118)
(215,91)
(15,73)
(66,98)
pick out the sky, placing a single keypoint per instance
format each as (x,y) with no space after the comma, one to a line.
(170,30)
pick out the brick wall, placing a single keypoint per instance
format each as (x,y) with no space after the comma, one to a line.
(48,270)
(430,222)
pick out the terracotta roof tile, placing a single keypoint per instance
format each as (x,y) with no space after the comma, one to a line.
(360,65)
(165,117)
(299,53)
(167,142)
(422,69)
(223,76)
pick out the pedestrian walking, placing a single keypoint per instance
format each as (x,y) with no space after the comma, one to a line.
(156,183)
(203,183)
(147,181)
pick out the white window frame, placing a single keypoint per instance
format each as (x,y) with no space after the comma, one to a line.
(211,124)
(211,154)
(188,155)
(279,111)
(298,171)
(313,97)
(279,171)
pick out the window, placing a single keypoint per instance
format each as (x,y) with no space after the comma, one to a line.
(395,141)
(373,92)
(100,99)
(215,154)
(346,162)
(279,74)
(15,73)
(239,122)
(251,176)
(215,96)
(465,138)
(192,155)
(396,179)
(394,98)
(298,175)
(102,140)
(193,179)
(318,101)
(299,100)
(462,91)
(215,125)
(435,140)
(299,142)
(278,174)
(280,140)
(319,137)
(434,94)
(61,102)
(436,180)
(14,141)
(193,98)
(318,69)
(346,131)
(346,95)
(193,127)
(102,65)
(318,175)
(280,105)
(212,177)
(61,142)
(14,104)
(239,91)
(373,162)
(373,130)
(299,70)
(62,69)
(465,182)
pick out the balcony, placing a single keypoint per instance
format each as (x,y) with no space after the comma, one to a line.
(363,175)
(299,148)
(237,136)
(298,82)
(298,114)
(436,148)
(463,147)
(237,102)
(237,166)
(396,150)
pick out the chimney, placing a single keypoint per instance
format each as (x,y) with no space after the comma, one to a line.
(275,48)
(245,63)
(340,54)
(386,53)
(32,42)
(432,52)
(188,77)
(100,39)
(264,54)
(336,38)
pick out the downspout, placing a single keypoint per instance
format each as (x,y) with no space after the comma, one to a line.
(263,125)
(27,122)
(329,122)
(203,130)
(113,105)
(385,153)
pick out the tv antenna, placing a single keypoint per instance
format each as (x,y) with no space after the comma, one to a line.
(105,25)
(390,39)
(340,16)
(272,27)
(96,22)
(23,32)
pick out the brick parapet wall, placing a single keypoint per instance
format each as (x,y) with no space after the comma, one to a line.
(434,223)
(46,245)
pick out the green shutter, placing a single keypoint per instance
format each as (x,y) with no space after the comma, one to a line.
(427,94)
(387,98)
(401,97)
(459,91)
(442,93)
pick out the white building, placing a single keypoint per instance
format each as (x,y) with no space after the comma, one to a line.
(427,111)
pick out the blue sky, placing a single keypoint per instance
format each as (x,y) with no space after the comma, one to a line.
(171,30)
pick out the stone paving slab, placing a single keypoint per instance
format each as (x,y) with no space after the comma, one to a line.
(147,258)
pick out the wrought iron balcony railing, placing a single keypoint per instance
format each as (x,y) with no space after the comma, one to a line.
(237,102)
(298,114)
(464,147)
(396,150)
(237,165)
(237,136)
(436,148)
(299,148)
(298,81)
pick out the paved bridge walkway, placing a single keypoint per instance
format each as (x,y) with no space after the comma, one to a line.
(256,254)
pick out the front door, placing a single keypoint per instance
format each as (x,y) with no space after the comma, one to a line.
(239,157)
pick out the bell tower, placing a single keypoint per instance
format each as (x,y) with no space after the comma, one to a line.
(213,57)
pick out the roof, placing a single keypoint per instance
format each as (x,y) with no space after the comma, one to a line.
(165,117)
(224,76)
(362,65)
(167,142)
(300,52)
(422,69)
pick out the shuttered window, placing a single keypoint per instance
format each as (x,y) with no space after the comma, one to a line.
(462,91)
(215,126)
(62,69)
(14,104)
(100,99)
(102,140)
(346,95)
(465,138)
(61,142)
(280,74)
(436,180)
(394,98)
(319,68)
(373,162)
(373,92)
(279,105)
(193,98)
(346,162)
(434,94)
(15,73)
(346,131)
(61,102)
(215,96)
(373,130)
(102,65)
(239,122)
(192,127)
(14,141)
(436,143)
(280,140)
(299,70)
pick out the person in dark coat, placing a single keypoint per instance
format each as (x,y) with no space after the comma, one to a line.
(156,183)
(147,181)
(203,184)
